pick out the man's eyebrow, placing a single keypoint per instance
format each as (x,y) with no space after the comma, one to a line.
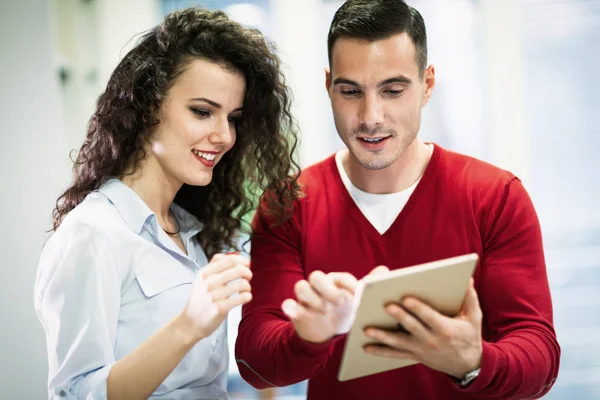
(396,79)
(345,81)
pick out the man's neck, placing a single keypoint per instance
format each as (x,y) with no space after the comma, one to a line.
(403,173)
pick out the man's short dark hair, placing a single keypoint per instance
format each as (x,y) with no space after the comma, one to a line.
(373,20)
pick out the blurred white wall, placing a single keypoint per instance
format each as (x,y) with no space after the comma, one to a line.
(119,25)
(507,133)
(91,37)
(33,161)
(304,56)
(86,39)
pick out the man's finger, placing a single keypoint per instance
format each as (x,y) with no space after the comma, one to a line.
(396,340)
(382,269)
(344,280)
(297,313)
(306,296)
(471,306)
(388,352)
(324,285)
(408,322)
(426,314)
(290,308)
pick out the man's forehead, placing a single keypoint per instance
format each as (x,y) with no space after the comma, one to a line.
(389,56)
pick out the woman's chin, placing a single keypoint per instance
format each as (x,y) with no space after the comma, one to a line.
(199,180)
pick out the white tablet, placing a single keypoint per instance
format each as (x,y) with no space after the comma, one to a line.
(441,284)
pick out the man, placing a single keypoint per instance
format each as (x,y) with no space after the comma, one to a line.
(391,199)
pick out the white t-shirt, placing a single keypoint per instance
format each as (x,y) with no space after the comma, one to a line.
(380,209)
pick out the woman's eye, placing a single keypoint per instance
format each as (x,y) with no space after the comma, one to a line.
(235,120)
(200,112)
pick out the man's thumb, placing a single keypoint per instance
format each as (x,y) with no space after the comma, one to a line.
(382,269)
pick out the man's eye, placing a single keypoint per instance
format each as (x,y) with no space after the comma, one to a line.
(394,93)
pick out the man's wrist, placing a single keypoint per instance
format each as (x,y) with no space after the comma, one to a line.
(470,371)
(468,378)
(470,364)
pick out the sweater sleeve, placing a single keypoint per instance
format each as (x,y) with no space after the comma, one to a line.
(268,350)
(521,356)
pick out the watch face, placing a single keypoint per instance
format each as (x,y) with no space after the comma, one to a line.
(470,377)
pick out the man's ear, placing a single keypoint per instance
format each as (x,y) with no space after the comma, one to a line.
(429,83)
(327,79)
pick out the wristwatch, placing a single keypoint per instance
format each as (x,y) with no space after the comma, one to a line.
(469,377)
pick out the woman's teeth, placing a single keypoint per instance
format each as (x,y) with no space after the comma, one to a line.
(206,156)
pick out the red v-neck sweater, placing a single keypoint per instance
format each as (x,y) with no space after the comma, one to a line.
(461,205)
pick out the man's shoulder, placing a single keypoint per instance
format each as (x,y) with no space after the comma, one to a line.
(318,169)
(318,176)
(468,170)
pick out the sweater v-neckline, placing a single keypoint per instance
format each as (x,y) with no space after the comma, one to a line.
(355,211)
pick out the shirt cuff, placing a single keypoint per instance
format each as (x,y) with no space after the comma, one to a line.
(491,363)
(92,385)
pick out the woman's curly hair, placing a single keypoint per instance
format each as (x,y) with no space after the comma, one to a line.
(126,113)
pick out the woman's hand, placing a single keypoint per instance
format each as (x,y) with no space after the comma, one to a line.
(222,285)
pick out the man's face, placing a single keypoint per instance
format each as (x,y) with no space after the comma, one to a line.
(377,95)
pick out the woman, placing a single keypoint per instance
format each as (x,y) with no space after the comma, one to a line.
(193,119)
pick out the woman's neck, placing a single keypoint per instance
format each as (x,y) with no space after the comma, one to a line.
(154,188)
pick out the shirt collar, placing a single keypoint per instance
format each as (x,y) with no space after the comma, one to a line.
(133,209)
(190,226)
(137,213)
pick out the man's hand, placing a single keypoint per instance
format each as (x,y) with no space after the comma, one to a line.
(322,304)
(449,345)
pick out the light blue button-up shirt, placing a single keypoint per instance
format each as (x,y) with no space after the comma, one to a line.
(110,277)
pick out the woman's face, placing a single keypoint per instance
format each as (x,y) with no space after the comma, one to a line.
(197,123)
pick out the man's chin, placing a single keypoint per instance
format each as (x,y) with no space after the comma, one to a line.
(376,166)
(375,163)
(370,160)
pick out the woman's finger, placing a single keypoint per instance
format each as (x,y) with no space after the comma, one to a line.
(221,279)
(229,303)
(225,261)
(225,291)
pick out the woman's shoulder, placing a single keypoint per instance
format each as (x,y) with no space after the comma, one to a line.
(94,214)
(95,222)
(84,243)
